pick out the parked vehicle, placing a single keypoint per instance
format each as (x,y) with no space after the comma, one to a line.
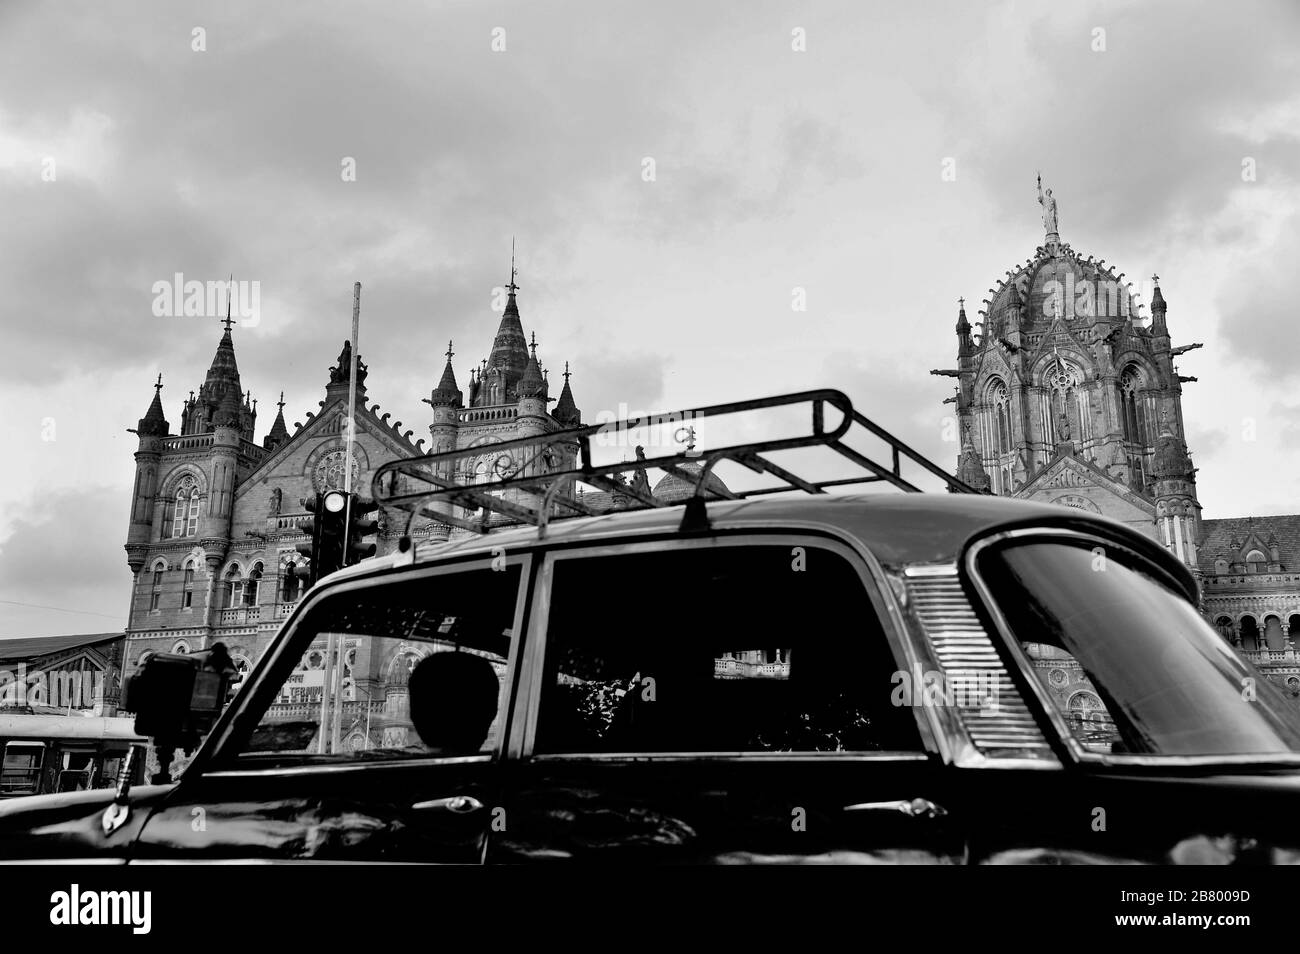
(54,753)
(842,678)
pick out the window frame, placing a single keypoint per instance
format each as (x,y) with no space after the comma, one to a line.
(35,773)
(218,757)
(531,682)
(1019,659)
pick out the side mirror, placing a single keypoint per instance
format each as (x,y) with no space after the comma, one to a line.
(177,697)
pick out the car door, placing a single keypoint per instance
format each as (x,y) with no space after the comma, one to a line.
(725,699)
(372,733)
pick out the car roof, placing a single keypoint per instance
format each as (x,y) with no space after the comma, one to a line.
(899,529)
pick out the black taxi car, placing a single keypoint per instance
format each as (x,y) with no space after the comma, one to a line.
(874,678)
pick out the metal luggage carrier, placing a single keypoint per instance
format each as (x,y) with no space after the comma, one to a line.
(416,484)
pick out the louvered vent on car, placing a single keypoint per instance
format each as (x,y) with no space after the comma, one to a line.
(972,669)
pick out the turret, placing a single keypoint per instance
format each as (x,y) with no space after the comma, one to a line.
(223,466)
(151,429)
(446,401)
(1178,513)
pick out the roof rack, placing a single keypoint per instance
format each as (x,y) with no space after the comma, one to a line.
(535,479)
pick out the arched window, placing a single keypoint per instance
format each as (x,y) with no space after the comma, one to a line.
(1256,562)
(1220,566)
(181,647)
(187,592)
(155,589)
(1132,414)
(233,588)
(1001,409)
(1062,383)
(185,508)
(1293,630)
(1250,634)
(290,588)
(1273,635)
(252,585)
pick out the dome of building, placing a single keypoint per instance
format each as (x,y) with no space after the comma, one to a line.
(673,488)
(1058,279)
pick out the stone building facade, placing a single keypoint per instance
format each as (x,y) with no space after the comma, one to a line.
(216,516)
(1067,395)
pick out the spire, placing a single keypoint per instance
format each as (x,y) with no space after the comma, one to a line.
(223,373)
(531,383)
(566,411)
(153,423)
(228,411)
(1158,307)
(509,356)
(970,471)
(446,394)
(512,308)
(965,344)
(278,433)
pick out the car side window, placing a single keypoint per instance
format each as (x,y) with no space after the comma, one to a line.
(741,648)
(401,669)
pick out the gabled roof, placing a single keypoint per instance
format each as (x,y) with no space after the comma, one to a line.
(30,647)
(367,420)
(1090,473)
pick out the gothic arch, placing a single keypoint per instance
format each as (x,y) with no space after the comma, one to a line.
(173,479)
(1062,402)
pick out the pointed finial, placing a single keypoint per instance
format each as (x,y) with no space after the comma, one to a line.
(566,372)
(533,345)
(1156,280)
(450,353)
(229,288)
(512,286)
(280,404)
(961,303)
(158,386)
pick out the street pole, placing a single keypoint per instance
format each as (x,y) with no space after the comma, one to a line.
(340,644)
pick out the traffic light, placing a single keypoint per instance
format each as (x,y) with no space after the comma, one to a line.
(333,532)
(308,568)
(325,548)
(363,522)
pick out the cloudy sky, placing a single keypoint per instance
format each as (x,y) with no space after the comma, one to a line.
(139,140)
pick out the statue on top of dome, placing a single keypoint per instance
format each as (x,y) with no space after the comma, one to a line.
(1048,202)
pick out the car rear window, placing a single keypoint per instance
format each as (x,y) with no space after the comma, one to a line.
(1130,664)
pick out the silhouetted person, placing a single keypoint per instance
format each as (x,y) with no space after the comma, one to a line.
(453,700)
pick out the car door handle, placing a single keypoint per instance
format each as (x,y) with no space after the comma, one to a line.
(456,804)
(912,808)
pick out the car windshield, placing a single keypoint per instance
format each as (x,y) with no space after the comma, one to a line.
(1129,663)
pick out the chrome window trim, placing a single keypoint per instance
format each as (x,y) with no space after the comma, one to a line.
(802,756)
(1072,745)
(897,636)
(339,768)
(969,754)
(282,647)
